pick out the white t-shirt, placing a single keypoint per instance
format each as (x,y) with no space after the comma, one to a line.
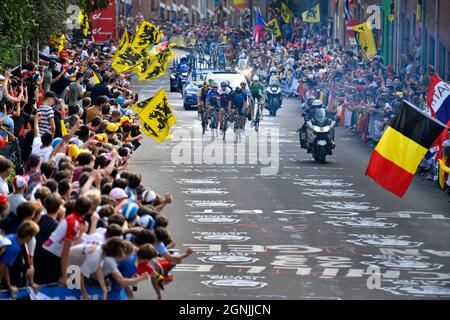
(3,186)
(89,257)
(43,153)
(98,237)
(110,265)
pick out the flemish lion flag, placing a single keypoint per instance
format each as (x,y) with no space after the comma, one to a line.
(156,116)
(365,39)
(312,15)
(286,14)
(274,27)
(402,147)
(126,59)
(83,20)
(155,66)
(146,35)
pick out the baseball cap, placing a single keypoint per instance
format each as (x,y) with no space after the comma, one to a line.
(4,241)
(112,127)
(118,193)
(148,196)
(129,210)
(101,137)
(20,181)
(74,151)
(120,100)
(55,142)
(146,221)
(2,142)
(3,198)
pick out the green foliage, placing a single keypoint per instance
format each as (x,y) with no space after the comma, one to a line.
(25,21)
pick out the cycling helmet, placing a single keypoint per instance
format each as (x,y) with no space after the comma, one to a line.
(224,84)
(205,84)
(255,78)
(214,85)
(183,60)
(317,104)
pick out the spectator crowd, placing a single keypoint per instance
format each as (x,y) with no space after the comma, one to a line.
(67,197)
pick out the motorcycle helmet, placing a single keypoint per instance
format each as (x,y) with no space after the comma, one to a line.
(183,60)
(273,70)
(255,78)
(317,104)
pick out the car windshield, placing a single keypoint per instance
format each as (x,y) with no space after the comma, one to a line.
(235,79)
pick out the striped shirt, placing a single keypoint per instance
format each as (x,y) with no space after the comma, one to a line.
(44,122)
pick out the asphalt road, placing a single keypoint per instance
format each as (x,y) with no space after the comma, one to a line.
(273,224)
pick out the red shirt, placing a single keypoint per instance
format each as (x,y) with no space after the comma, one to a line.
(144,267)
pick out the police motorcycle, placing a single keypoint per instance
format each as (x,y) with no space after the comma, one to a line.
(244,67)
(317,133)
(179,77)
(274,97)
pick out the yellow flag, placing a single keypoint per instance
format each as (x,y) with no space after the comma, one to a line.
(63,128)
(97,78)
(126,59)
(286,14)
(146,35)
(156,66)
(156,116)
(83,20)
(312,15)
(60,41)
(274,27)
(365,39)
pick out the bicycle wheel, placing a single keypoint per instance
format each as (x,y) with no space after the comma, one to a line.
(225,125)
(204,122)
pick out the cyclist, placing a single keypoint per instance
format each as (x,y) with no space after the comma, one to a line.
(246,110)
(213,103)
(257,92)
(238,102)
(224,93)
(201,98)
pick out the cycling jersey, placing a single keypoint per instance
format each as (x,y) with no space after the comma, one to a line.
(224,96)
(256,90)
(238,99)
(213,98)
(202,94)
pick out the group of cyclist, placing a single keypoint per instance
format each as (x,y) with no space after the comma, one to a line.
(223,103)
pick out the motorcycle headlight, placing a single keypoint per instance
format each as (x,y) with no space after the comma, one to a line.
(274,89)
(184,74)
(321,129)
(172,76)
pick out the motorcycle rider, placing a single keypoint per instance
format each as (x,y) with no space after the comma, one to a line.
(257,92)
(201,98)
(273,76)
(224,92)
(309,114)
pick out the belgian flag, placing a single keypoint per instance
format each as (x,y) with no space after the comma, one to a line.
(402,147)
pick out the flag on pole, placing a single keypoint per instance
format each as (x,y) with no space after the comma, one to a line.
(438,100)
(156,116)
(146,35)
(259,28)
(155,66)
(97,77)
(365,39)
(346,10)
(274,27)
(83,21)
(312,15)
(286,14)
(240,4)
(401,148)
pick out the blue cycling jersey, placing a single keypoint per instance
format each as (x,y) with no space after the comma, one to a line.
(213,97)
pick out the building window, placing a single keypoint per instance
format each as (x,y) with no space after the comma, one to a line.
(154,6)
